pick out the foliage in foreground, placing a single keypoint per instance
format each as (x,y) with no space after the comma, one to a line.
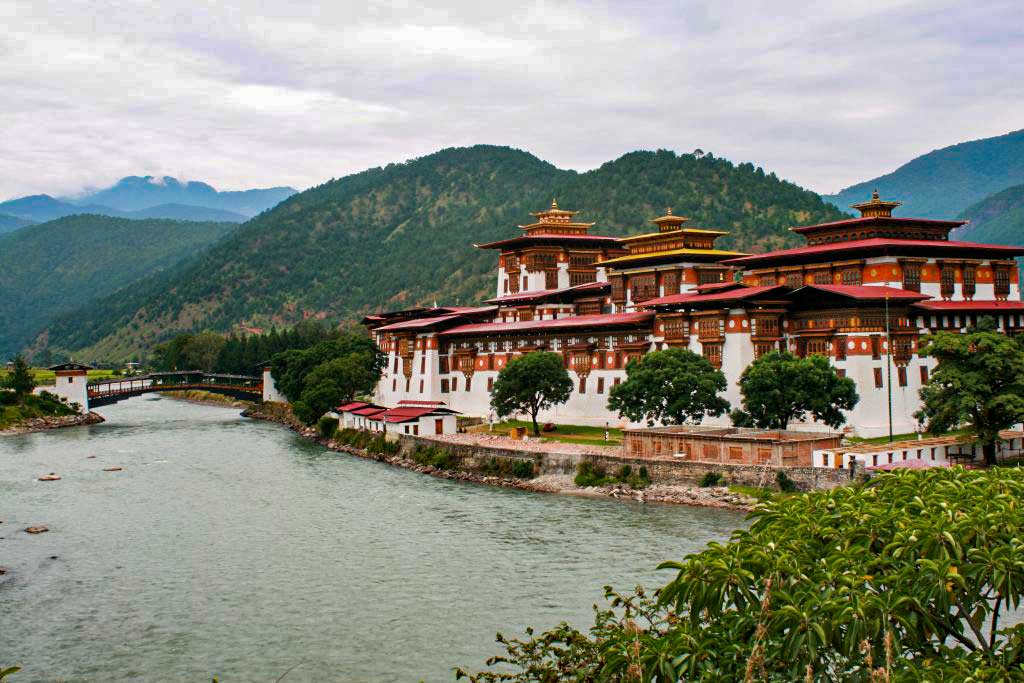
(901,579)
(13,411)
(592,474)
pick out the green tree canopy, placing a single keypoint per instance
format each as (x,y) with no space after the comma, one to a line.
(903,579)
(778,387)
(334,382)
(531,383)
(978,383)
(20,380)
(674,386)
(202,350)
(291,368)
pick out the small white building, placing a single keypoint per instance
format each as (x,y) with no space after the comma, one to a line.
(939,451)
(420,418)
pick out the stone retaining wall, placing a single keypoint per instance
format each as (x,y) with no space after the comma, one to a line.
(687,473)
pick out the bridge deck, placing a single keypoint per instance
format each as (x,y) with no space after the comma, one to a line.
(237,386)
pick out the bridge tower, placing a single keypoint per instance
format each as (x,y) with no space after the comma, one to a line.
(72,384)
(270,392)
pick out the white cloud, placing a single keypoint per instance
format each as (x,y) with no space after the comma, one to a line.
(256,94)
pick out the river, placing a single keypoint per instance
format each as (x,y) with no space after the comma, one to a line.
(231,547)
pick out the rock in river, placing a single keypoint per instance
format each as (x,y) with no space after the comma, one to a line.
(112,469)
(39,529)
(49,477)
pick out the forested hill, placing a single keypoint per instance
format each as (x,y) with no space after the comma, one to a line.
(998,219)
(51,268)
(944,183)
(402,235)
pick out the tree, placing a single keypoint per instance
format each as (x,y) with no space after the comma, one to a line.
(906,579)
(778,387)
(672,387)
(20,380)
(291,368)
(334,382)
(978,383)
(202,350)
(531,383)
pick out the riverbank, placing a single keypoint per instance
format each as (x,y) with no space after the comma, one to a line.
(207,398)
(563,484)
(42,424)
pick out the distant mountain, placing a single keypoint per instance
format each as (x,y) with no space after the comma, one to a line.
(135,193)
(184,212)
(11,223)
(40,208)
(403,235)
(944,183)
(54,267)
(997,219)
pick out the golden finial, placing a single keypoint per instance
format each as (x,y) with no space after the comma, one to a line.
(668,211)
(554,203)
(874,195)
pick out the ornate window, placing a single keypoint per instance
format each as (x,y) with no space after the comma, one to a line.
(970,280)
(670,282)
(947,281)
(912,277)
(618,290)
(582,278)
(794,280)
(713,352)
(1001,280)
(550,279)
(823,277)
(708,277)
(642,288)
(852,276)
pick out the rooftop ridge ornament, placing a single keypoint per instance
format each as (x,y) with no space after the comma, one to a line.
(555,221)
(669,222)
(876,207)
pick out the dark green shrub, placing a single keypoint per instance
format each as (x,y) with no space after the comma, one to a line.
(643,473)
(786,485)
(589,474)
(432,456)
(327,426)
(624,472)
(712,479)
(522,469)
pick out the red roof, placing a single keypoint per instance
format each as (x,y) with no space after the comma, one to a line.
(368,411)
(419,323)
(867,292)
(879,220)
(422,404)
(349,407)
(875,243)
(737,294)
(544,293)
(603,320)
(955,306)
(715,286)
(409,413)
(528,239)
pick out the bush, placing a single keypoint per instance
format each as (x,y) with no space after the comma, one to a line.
(522,469)
(712,479)
(327,426)
(432,456)
(786,485)
(589,474)
(624,472)
(877,582)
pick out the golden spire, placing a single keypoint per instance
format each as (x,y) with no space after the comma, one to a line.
(669,221)
(876,207)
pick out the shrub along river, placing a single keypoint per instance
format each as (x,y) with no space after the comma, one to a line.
(231,547)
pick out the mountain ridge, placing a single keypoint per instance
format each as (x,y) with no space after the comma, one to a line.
(54,267)
(945,182)
(402,234)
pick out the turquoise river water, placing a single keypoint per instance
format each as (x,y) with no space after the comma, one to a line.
(230,547)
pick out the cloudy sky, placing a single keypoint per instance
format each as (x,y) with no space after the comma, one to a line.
(269,93)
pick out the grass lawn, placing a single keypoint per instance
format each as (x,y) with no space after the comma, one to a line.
(578,434)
